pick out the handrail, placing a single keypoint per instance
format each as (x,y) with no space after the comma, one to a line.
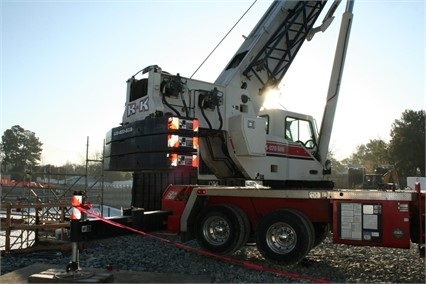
(35,221)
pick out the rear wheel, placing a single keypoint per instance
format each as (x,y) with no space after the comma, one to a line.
(222,229)
(321,232)
(285,236)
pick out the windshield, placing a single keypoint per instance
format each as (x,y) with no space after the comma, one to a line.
(299,130)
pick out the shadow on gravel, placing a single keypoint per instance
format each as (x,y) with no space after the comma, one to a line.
(349,264)
(309,267)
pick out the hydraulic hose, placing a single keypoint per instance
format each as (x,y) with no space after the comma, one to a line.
(220,117)
(185,107)
(165,100)
(204,115)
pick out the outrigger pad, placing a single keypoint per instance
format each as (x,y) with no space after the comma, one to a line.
(54,275)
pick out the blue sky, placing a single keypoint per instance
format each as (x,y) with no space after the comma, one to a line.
(64,64)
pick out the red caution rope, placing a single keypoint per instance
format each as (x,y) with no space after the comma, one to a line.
(206,253)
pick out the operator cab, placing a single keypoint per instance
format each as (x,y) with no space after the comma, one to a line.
(295,128)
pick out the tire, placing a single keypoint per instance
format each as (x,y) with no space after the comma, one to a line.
(222,229)
(321,232)
(309,224)
(285,236)
(415,228)
(246,226)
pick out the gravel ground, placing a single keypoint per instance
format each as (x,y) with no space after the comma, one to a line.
(330,262)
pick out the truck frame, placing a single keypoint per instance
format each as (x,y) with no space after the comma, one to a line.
(287,224)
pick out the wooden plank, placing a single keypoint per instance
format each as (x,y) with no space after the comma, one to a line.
(34,205)
(8,230)
(41,226)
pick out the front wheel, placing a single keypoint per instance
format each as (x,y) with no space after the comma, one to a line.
(222,229)
(285,236)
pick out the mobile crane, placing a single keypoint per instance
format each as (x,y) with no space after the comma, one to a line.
(286,204)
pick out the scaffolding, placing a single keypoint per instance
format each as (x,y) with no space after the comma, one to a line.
(34,213)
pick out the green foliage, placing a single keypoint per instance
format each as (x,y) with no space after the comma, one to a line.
(370,156)
(407,144)
(336,166)
(21,150)
(405,151)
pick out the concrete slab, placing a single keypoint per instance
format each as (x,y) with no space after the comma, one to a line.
(53,275)
(22,275)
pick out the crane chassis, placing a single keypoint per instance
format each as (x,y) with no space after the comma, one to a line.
(284,201)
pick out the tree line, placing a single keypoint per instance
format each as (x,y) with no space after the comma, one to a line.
(21,153)
(20,156)
(405,150)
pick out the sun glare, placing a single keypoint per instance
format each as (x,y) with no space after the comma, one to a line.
(273,99)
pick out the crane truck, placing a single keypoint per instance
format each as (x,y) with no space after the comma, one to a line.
(262,174)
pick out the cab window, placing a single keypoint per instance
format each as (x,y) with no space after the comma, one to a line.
(265,116)
(299,130)
(138,89)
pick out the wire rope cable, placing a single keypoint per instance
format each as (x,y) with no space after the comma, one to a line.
(214,49)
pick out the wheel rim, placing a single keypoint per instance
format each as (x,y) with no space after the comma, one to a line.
(216,230)
(281,238)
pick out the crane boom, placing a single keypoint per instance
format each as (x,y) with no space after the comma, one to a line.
(335,81)
(267,53)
